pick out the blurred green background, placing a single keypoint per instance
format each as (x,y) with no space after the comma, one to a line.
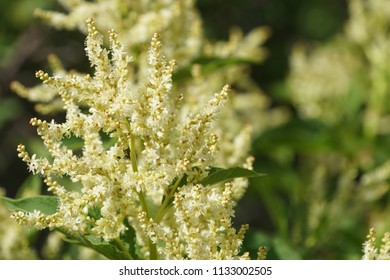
(310,205)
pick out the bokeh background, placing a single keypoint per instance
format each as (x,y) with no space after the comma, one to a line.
(318,200)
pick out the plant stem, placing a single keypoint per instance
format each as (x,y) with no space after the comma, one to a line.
(141,196)
(164,206)
(152,250)
(133,154)
(123,248)
(144,205)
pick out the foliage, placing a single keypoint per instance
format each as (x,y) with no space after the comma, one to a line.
(320,133)
(332,157)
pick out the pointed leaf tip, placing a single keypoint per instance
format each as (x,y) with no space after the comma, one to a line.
(218,175)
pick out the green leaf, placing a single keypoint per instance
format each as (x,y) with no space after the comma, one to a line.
(88,241)
(125,249)
(108,249)
(218,175)
(128,237)
(95,212)
(48,205)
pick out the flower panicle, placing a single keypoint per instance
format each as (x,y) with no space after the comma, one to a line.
(133,146)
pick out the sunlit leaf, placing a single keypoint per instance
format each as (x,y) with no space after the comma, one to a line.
(47,205)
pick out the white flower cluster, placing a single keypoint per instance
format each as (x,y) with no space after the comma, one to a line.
(201,214)
(153,149)
(180,26)
(372,252)
(136,22)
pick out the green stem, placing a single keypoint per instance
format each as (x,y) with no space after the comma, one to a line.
(133,154)
(144,205)
(164,206)
(152,250)
(123,248)
(141,196)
